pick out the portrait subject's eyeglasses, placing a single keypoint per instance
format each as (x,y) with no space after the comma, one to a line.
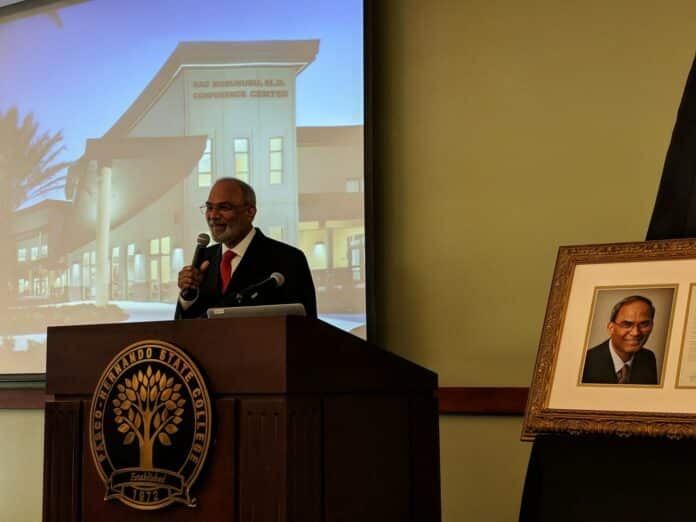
(222,208)
(628,325)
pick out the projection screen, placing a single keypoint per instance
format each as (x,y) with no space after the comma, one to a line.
(116,116)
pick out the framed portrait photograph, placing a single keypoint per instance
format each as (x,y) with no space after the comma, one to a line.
(618,347)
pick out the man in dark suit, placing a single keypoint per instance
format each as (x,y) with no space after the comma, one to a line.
(623,358)
(242,258)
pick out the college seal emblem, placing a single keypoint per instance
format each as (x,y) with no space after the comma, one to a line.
(149,426)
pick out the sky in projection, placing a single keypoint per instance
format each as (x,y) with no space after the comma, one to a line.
(79,72)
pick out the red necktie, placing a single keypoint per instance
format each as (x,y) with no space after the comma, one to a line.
(226,269)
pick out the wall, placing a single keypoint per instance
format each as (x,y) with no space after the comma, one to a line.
(21,455)
(506,129)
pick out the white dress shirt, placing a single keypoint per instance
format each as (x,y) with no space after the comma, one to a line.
(239,249)
(618,361)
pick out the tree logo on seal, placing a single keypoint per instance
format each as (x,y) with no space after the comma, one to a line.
(150,426)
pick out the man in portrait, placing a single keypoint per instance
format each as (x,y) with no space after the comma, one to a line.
(623,357)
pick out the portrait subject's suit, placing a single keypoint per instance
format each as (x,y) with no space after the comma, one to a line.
(263,257)
(599,367)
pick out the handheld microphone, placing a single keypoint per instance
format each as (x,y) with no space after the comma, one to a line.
(201,242)
(275,280)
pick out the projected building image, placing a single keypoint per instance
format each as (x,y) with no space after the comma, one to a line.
(112,251)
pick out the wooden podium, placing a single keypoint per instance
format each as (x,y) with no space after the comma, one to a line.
(309,424)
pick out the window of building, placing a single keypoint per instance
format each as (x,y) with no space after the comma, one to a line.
(354,185)
(276,232)
(356,256)
(33,249)
(276,160)
(41,286)
(58,288)
(319,255)
(205,165)
(241,159)
(130,271)
(160,268)
(166,260)
(43,243)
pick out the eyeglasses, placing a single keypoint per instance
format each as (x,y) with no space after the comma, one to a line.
(222,208)
(628,325)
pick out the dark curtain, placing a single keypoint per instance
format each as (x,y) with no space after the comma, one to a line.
(674,214)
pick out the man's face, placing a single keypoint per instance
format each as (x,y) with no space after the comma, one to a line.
(630,329)
(228,217)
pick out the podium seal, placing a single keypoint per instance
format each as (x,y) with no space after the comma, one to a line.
(149,426)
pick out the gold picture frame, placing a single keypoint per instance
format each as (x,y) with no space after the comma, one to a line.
(590,283)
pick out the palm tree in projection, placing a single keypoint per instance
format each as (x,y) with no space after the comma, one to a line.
(28,169)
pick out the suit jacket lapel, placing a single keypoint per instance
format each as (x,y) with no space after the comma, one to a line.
(213,279)
(609,364)
(640,370)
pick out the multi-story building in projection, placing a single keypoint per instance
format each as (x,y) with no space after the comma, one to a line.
(214,109)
